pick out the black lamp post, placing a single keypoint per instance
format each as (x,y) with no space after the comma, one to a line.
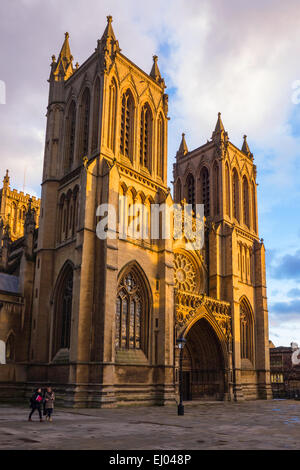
(180,342)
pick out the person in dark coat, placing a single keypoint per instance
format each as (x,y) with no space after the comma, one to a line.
(49,403)
(36,402)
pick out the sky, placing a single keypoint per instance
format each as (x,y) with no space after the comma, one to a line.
(237,57)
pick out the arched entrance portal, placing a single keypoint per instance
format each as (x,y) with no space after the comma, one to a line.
(203,364)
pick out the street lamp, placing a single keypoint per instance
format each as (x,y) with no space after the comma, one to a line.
(180,342)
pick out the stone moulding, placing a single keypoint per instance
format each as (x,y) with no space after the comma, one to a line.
(188,305)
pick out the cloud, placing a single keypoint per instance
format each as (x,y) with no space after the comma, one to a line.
(288,267)
(294,293)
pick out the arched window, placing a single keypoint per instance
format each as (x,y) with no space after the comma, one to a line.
(190,183)
(254,208)
(84,125)
(111,123)
(227,189)
(61,216)
(10,348)
(205,190)
(216,189)
(246,202)
(235,195)
(76,205)
(246,331)
(146,137)
(132,312)
(160,147)
(14,214)
(178,195)
(127,125)
(96,115)
(63,310)
(70,136)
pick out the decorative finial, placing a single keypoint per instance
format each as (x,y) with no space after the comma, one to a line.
(67,35)
(76,66)
(53,58)
(245,137)
(109,19)
(155,57)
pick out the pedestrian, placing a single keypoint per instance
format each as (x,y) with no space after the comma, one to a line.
(35,403)
(49,403)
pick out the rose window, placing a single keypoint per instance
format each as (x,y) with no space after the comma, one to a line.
(185,273)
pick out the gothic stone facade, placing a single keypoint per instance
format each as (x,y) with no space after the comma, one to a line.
(106,313)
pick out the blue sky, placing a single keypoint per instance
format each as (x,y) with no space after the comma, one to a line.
(236,57)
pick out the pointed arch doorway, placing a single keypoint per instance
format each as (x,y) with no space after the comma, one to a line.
(203,364)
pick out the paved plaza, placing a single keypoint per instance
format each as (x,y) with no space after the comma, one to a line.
(273,424)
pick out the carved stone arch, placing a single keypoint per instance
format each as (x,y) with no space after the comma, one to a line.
(204,313)
(132,191)
(114,73)
(147,96)
(129,85)
(62,301)
(134,304)
(123,188)
(236,163)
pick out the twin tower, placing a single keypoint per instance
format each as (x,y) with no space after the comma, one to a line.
(106,314)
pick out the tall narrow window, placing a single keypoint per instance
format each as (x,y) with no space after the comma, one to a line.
(127,125)
(254,209)
(216,189)
(178,196)
(112,115)
(205,189)
(70,137)
(160,147)
(246,332)
(235,195)
(84,124)
(190,182)
(146,137)
(96,115)
(227,188)
(246,202)
(132,306)
(63,310)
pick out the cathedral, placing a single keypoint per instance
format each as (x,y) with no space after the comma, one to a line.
(99,318)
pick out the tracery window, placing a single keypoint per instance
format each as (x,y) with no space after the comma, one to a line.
(246,202)
(160,147)
(84,124)
(96,115)
(246,332)
(216,189)
(235,195)
(112,114)
(227,188)
(190,182)
(63,310)
(204,177)
(131,310)
(145,137)
(253,208)
(70,136)
(127,117)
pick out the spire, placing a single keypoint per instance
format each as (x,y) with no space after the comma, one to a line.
(108,44)
(108,32)
(155,73)
(6,179)
(245,148)
(62,69)
(183,149)
(219,135)
(219,126)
